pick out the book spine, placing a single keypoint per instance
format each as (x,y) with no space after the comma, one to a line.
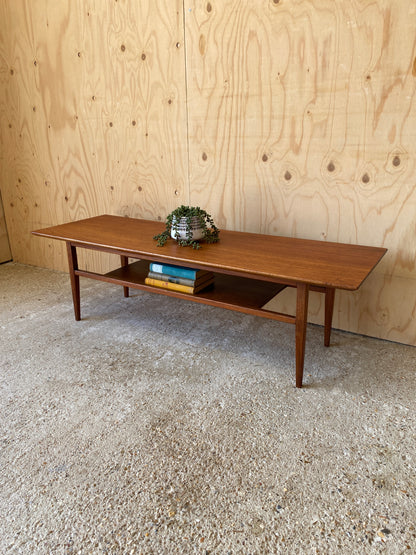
(177,271)
(172,279)
(169,285)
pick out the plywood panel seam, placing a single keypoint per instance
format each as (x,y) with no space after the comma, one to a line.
(188,176)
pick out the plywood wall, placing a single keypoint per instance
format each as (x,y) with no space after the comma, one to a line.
(93,115)
(292,117)
(302,122)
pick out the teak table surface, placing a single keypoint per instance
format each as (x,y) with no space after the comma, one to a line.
(266,261)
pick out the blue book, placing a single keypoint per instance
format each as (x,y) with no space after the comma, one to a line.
(178,271)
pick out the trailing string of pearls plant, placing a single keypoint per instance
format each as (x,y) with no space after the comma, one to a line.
(189,225)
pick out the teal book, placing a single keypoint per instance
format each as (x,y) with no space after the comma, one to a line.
(177,271)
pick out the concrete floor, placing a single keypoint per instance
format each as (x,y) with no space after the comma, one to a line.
(160,426)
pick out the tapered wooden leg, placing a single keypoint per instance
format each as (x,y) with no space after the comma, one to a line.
(125,262)
(329,310)
(301,320)
(73,265)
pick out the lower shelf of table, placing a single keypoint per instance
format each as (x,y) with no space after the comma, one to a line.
(232,292)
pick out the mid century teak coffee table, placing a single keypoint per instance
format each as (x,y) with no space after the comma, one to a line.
(250,268)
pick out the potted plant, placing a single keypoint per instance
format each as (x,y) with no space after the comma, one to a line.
(188,225)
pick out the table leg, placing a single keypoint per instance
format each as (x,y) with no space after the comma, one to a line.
(73,265)
(301,320)
(125,262)
(329,310)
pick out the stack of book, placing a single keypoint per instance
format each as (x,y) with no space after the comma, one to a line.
(178,278)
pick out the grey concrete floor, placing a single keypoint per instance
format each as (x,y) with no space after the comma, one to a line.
(161,426)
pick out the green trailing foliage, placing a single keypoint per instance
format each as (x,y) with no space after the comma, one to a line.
(209,229)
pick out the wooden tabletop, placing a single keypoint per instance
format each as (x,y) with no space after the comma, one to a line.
(280,259)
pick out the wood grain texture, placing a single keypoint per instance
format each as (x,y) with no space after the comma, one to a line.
(302,119)
(297,117)
(92,116)
(283,260)
(5,253)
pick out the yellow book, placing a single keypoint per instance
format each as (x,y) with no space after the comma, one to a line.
(177,286)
